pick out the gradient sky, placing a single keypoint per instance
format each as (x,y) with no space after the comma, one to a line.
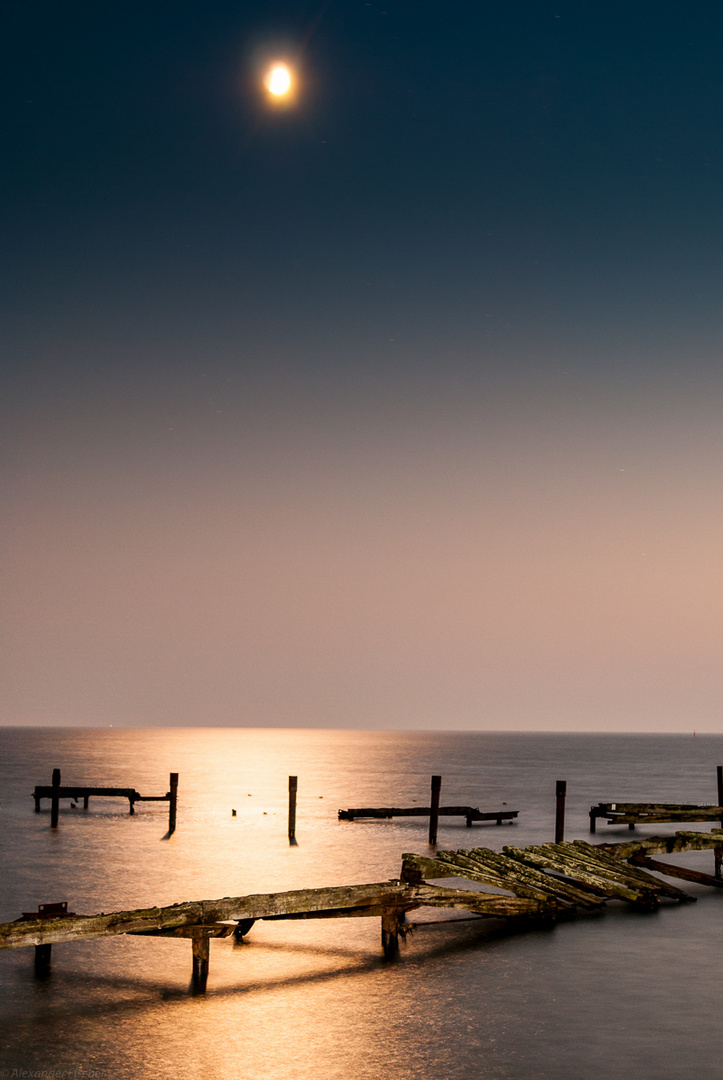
(398,407)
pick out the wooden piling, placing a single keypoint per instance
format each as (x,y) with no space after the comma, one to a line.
(201,952)
(42,960)
(293,784)
(434,809)
(560,795)
(55,797)
(392,919)
(718,852)
(172,802)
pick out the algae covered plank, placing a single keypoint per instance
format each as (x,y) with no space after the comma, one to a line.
(556,860)
(484,904)
(604,859)
(679,842)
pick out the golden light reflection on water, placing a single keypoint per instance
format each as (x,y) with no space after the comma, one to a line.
(309,998)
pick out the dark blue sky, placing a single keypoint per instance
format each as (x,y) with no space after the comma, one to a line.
(321,414)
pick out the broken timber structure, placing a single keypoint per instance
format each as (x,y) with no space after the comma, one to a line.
(544,881)
(75,792)
(632,814)
(471,813)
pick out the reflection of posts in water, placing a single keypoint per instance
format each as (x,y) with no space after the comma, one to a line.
(560,795)
(293,783)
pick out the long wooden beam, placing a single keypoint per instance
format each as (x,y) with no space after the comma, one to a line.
(203,913)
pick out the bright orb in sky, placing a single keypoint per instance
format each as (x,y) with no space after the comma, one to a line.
(278,80)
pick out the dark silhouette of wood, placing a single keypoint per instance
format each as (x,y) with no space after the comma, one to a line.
(434,809)
(293,784)
(560,796)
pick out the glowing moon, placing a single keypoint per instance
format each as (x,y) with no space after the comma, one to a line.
(278,80)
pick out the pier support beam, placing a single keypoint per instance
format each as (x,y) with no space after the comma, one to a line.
(392,919)
(42,960)
(201,952)
(293,784)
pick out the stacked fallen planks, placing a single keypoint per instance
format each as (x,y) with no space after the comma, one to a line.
(558,876)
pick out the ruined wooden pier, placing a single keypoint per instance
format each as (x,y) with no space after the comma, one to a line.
(470,813)
(632,814)
(433,812)
(652,813)
(542,882)
(75,792)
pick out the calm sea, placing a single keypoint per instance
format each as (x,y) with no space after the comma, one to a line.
(607,997)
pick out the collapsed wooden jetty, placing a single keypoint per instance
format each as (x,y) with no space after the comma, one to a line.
(542,882)
(433,812)
(75,792)
(632,814)
(470,813)
(652,813)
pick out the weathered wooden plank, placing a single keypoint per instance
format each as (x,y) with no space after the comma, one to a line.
(604,858)
(616,870)
(484,904)
(589,895)
(680,841)
(679,872)
(200,913)
(655,808)
(477,870)
(446,865)
(425,811)
(520,871)
(78,791)
(556,860)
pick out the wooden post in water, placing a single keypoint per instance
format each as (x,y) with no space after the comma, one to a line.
(718,852)
(172,804)
(391,921)
(434,809)
(42,960)
(560,794)
(201,952)
(293,783)
(55,799)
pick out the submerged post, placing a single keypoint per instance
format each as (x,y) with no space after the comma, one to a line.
(392,919)
(293,783)
(55,799)
(172,802)
(560,794)
(434,810)
(42,960)
(201,952)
